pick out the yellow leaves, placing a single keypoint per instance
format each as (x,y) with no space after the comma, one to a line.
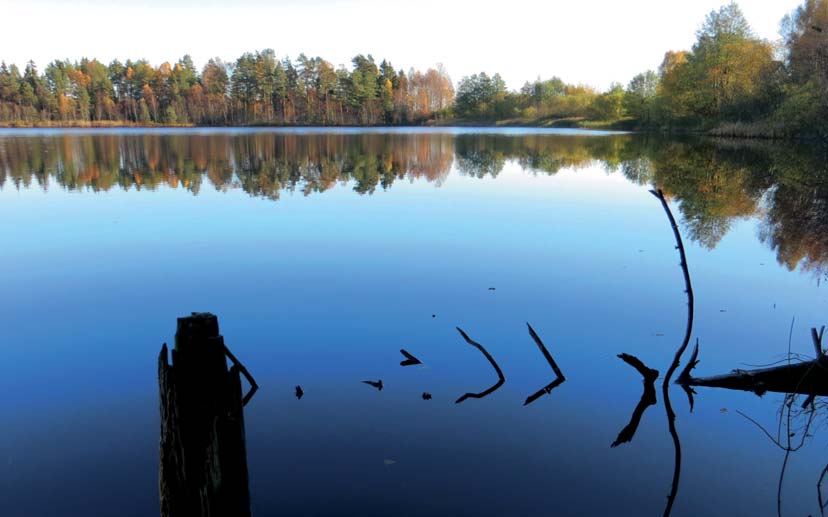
(79,78)
(672,60)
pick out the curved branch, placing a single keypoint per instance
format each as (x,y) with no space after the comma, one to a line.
(688,287)
(665,387)
(501,378)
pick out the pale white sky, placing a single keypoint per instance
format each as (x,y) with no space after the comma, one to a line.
(594,42)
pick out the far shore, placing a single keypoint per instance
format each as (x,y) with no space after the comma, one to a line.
(753,131)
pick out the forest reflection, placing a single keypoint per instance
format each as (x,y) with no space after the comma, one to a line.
(714,182)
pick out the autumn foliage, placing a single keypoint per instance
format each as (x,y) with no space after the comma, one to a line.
(257,88)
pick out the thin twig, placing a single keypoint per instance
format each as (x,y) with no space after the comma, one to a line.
(788,431)
(253,386)
(786,417)
(762,428)
(794,356)
(817,339)
(684,377)
(819,490)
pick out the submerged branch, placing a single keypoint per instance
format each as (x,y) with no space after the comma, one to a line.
(409,360)
(648,398)
(501,378)
(559,376)
(665,387)
(822,504)
(688,287)
(253,386)
(809,378)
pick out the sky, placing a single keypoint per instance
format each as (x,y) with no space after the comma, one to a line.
(594,42)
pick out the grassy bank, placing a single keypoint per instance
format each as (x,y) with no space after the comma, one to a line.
(624,124)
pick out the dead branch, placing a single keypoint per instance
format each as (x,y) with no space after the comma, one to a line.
(253,386)
(648,398)
(501,378)
(559,376)
(665,387)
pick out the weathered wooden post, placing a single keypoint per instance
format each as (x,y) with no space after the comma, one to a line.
(203,469)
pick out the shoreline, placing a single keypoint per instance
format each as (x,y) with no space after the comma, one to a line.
(734,131)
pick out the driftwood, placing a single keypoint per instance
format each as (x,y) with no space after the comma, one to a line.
(203,469)
(807,377)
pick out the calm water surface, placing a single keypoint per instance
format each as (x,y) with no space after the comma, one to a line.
(323,252)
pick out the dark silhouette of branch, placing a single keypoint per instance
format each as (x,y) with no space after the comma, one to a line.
(761,428)
(559,376)
(374,384)
(691,364)
(816,337)
(665,387)
(648,398)
(253,386)
(410,360)
(684,376)
(688,287)
(809,378)
(501,378)
(822,503)
(786,415)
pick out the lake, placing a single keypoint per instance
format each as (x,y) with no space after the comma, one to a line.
(323,252)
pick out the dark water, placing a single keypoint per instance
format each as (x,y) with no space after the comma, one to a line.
(325,252)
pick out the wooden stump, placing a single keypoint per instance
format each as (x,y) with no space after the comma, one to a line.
(203,469)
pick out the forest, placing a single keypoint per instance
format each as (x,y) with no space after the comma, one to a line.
(730,83)
(258,88)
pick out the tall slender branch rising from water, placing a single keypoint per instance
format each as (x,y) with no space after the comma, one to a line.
(665,387)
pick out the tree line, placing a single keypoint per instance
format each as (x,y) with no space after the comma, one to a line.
(257,88)
(730,82)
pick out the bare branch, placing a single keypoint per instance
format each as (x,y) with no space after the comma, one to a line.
(501,378)
(559,376)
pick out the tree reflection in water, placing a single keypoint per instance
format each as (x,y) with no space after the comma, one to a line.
(714,183)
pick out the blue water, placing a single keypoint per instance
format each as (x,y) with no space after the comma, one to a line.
(324,289)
